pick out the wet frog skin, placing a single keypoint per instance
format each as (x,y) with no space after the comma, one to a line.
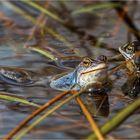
(129,51)
(88,72)
(15,76)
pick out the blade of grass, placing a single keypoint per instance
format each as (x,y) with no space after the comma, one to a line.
(44,52)
(117,119)
(9,97)
(101,104)
(43,10)
(41,19)
(90,119)
(94,7)
(117,68)
(48,29)
(33,115)
(49,112)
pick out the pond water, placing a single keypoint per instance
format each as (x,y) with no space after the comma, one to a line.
(67,121)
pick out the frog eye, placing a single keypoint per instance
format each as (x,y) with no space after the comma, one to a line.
(87,62)
(129,49)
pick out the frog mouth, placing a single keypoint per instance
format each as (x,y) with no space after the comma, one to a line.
(98,68)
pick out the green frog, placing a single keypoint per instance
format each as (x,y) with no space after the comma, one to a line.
(15,76)
(130,52)
(88,72)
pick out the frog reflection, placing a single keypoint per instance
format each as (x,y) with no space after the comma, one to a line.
(97,103)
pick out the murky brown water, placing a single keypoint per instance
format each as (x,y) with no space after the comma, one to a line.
(66,122)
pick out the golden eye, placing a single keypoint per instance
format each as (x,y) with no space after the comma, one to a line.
(130,49)
(87,62)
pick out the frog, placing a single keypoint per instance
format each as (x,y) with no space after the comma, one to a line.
(88,72)
(15,76)
(130,51)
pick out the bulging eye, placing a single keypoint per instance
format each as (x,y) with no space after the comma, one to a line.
(130,49)
(87,62)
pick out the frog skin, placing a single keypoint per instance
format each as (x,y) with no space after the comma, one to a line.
(15,76)
(129,51)
(132,85)
(88,72)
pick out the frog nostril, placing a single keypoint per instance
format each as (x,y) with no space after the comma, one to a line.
(102,58)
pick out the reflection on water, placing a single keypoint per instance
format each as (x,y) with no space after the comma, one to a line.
(132,87)
(13,54)
(97,104)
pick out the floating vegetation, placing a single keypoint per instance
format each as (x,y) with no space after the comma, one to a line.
(94,7)
(9,97)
